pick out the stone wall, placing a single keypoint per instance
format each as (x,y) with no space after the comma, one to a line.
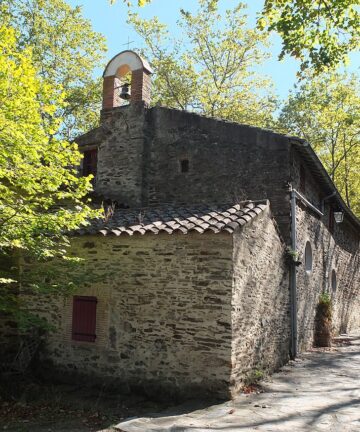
(140,154)
(163,313)
(260,303)
(121,150)
(184,314)
(227,162)
(337,251)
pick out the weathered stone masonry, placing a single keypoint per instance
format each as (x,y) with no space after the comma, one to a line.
(140,151)
(193,298)
(140,154)
(260,300)
(174,311)
(338,251)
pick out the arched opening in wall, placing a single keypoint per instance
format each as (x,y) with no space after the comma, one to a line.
(333,281)
(122,86)
(308,258)
(126,78)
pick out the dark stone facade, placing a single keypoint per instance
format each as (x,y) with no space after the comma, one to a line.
(178,315)
(198,312)
(141,152)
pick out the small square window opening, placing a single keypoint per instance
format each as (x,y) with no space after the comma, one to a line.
(184,165)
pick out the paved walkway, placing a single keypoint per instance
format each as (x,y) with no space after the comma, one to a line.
(320,391)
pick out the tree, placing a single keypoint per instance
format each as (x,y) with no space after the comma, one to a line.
(320,33)
(213,70)
(326,112)
(41,195)
(140,3)
(65,51)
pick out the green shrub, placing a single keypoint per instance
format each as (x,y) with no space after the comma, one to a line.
(254,376)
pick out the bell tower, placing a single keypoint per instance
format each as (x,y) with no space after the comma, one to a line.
(127,76)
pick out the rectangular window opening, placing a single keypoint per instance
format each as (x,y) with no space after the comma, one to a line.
(84,318)
(90,162)
(184,165)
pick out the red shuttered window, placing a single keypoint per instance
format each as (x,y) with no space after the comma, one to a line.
(84,318)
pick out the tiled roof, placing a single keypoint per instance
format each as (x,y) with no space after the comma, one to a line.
(171,219)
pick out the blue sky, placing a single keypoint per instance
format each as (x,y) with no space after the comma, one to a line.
(111,22)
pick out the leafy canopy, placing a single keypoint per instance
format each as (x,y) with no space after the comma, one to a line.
(320,33)
(326,112)
(140,3)
(212,70)
(65,51)
(41,195)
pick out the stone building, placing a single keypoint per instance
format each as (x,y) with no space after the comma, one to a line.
(196,288)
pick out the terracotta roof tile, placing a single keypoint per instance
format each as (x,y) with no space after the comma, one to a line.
(170,219)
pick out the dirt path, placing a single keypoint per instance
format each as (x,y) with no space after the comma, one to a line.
(38,407)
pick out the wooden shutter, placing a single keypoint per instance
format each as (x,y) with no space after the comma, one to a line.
(84,318)
(90,162)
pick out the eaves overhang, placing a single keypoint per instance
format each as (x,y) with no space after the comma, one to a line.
(322,177)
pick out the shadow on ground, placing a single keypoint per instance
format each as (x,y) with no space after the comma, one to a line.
(317,392)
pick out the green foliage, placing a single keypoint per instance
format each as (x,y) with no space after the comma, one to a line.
(140,3)
(326,112)
(65,51)
(253,377)
(212,69)
(60,276)
(292,253)
(325,298)
(324,311)
(41,195)
(320,33)
(323,321)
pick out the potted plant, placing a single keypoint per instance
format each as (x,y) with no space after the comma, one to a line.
(292,256)
(323,321)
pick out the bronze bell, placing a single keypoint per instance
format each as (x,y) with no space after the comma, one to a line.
(125,92)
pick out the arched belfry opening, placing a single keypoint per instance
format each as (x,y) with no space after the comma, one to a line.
(127,79)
